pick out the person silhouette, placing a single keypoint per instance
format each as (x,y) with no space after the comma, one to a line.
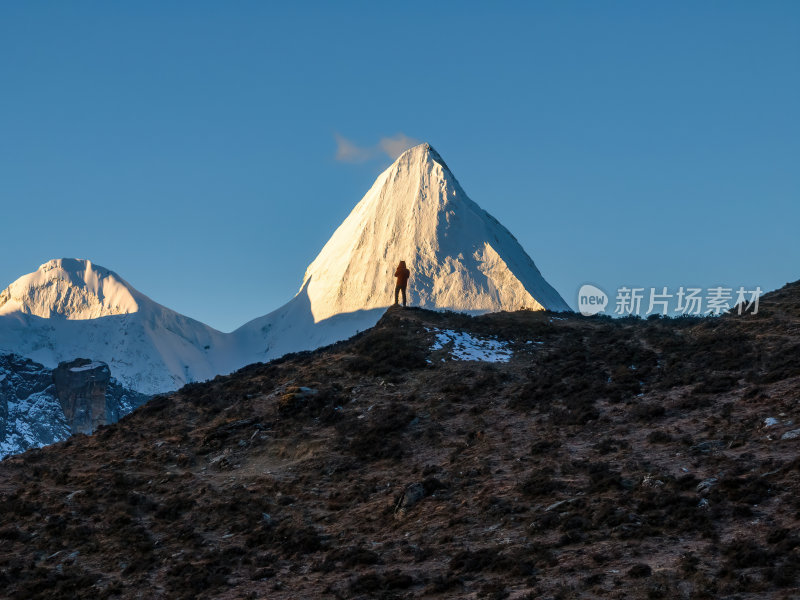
(402,274)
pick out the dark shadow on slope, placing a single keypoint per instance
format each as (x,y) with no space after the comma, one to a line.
(292,328)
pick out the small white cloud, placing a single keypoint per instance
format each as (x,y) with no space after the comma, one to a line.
(393,146)
(347,151)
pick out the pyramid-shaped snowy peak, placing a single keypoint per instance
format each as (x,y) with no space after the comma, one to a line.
(460,257)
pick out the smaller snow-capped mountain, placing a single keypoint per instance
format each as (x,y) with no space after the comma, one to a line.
(70,307)
(40,406)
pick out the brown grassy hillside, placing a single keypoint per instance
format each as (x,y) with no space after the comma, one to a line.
(606,459)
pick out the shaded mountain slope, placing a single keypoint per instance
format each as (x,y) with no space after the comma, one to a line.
(593,457)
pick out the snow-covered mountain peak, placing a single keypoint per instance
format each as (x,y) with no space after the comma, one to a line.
(420,153)
(71,308)
(413,166)
(461,258)
(70,288)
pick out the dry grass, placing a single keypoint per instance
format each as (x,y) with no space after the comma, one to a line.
(617,459)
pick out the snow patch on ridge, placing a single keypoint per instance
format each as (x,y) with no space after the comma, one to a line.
(463,346)
(89,367)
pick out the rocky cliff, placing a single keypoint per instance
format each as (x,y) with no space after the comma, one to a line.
(81,387)
(39,406)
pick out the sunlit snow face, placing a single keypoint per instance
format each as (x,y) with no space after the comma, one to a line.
(460,257)
(69,288)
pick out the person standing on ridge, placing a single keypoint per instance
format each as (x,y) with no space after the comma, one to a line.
(402,274)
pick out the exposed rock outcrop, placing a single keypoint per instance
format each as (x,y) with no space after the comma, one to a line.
(39,406)
(81,387)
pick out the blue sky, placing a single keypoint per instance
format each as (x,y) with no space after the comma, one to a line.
(192,147)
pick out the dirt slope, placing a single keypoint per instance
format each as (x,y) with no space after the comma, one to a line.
(606,459)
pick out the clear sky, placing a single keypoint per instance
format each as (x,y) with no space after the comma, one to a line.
(192,147)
